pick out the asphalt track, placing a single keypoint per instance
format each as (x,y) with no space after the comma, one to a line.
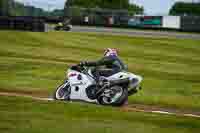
(136,33)
(126,108)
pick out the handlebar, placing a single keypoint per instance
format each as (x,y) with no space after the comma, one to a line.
(78,67)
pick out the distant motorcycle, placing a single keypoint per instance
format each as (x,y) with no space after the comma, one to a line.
(112,90)
(63,27)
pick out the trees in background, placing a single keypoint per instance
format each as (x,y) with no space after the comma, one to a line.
(106,4)
(5,7)
(181,8)
(14,8)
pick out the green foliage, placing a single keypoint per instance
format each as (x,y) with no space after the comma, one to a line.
(21,10)
(57,12)
(106,4)
(134,9)
(181,8)
(114,4)
(14,8)
(5,7)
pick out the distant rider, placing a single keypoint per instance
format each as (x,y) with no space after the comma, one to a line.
(60,24)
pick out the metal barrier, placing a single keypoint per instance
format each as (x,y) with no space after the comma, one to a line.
(190,23)
(22,23)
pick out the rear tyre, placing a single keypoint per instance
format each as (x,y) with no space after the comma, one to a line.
(118,98)
(67,28)
(63,92)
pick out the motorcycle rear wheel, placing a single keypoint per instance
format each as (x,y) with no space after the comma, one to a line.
(104,100)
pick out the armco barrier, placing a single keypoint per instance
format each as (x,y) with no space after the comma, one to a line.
(37,24)
(22,23)
(190,23)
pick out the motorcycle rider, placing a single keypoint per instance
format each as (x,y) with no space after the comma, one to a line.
(60,24)
(106,66)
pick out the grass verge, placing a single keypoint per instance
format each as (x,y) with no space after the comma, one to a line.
(21,115)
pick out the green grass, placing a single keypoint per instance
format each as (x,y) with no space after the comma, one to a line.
(37,62)
(19,115)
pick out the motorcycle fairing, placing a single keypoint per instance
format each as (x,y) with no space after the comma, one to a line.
(78,86)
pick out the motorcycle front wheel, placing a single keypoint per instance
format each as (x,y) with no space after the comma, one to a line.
(63,92)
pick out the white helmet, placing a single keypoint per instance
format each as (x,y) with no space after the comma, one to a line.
(110,52)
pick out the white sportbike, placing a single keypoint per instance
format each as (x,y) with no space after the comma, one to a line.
(81,85)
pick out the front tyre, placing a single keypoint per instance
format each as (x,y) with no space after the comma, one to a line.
(63,92)
(114,96)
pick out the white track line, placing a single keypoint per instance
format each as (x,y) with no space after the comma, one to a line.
(127,108)
(26,96)
(170,113)
(192,115)
(161,112)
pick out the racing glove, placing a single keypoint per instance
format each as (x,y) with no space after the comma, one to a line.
(83,63)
